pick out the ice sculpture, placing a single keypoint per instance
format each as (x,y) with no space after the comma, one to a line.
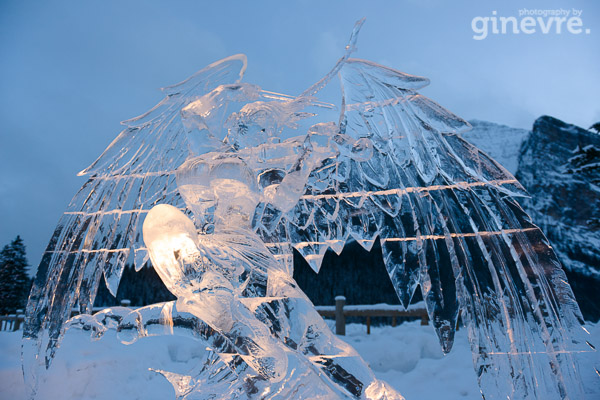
(221,180)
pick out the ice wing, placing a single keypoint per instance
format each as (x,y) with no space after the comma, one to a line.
(103,222)
(447,219)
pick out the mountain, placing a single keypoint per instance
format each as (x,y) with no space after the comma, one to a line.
(502,142)
(559,165)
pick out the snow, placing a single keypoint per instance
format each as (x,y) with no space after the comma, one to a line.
(408,357)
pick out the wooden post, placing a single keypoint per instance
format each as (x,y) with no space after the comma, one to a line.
(368,325)
(425,319)
(18,316)
(393,322)
(340,320)
(125,303)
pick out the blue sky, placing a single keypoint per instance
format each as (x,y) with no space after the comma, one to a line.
(71,70)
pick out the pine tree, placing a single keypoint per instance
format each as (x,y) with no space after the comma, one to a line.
(14,281)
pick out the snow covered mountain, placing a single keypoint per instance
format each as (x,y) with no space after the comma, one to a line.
(502,142)
(559,164)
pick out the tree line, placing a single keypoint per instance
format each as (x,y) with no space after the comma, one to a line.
(356,273)
(15,283)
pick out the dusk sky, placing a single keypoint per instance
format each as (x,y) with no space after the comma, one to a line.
(71,70)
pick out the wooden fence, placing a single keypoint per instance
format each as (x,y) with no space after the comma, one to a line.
(340,311)
(14,322)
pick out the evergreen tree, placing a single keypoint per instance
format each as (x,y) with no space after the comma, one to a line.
(14,281)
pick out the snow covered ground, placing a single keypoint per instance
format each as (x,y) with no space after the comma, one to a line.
(407,356)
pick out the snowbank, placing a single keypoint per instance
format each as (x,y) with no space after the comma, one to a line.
(407,356)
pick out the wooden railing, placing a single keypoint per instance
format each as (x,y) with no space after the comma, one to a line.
(340,311)
(14,322)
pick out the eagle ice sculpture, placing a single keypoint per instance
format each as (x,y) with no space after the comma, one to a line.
(221,180)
